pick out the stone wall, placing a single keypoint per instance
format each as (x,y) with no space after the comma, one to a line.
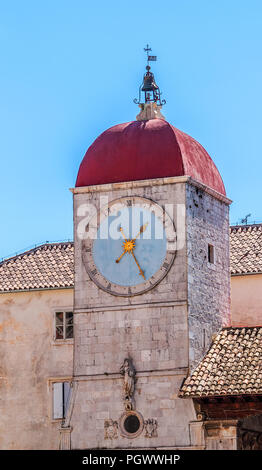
(234,434)
(221,435)
(99,399)
(207,222)
(153,329)
(29,358)
(154,337)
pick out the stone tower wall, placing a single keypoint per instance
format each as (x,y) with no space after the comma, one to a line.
(154,329)
(208,283)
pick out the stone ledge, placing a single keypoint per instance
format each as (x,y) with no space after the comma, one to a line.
(112,376)
(130,306)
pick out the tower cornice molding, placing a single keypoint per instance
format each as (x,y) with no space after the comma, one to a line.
(150,182)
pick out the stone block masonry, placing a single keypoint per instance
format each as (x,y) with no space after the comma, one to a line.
(207,222)
(155,338)
(165,331)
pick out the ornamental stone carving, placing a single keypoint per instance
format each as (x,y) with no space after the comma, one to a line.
(150,426)
(250,440)
(111,429)
(128,371)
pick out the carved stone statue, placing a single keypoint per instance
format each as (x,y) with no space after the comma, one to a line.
(150,426)
(111,428)
(128,371)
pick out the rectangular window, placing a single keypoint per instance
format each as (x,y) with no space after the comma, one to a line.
(63,325)
(61,398)
(211,254)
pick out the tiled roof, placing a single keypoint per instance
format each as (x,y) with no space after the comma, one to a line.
(45,267)
(232,366)
(246,249)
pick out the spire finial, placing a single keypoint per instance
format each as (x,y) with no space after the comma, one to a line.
(147,49)
(152,96)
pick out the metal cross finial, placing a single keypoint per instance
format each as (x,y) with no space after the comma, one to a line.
(147,48)
(151,58)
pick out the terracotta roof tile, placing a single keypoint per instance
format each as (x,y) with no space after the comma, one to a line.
(236,369)
(47,266)
(246,249)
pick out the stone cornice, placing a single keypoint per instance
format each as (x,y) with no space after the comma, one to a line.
(150,182)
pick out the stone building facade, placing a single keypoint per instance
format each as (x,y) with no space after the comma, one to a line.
(32,359)
(31,362)
(26,385)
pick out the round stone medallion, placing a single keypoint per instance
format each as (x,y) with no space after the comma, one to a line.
(131,424)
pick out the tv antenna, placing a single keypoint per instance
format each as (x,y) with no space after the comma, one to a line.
(244,220)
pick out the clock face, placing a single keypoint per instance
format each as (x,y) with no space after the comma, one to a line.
(133,247)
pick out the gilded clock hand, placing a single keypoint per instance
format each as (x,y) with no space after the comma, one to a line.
(141,272)
(122,231)
(129,245)
(142,229)
(118,259)
(124,245)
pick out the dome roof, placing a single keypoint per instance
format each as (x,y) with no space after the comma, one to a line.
(141,150)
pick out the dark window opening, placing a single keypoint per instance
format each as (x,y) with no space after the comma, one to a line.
(64,325)
(211,254)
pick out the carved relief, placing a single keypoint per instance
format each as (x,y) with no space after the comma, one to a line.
(128,371)
(150,426)
(201,416)
(250,440)
(111,428)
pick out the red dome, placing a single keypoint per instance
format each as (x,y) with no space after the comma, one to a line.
(141,150)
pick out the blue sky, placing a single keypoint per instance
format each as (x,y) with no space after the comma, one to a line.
(69,70)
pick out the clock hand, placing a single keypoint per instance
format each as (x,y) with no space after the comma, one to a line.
(125,250)
(118,259)
(122,231)
(142,229)
(129,245)
(141,272)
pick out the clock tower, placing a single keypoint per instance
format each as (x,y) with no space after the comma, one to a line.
(152,281)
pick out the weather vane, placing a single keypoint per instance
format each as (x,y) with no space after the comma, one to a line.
(149,86)
(150,58)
